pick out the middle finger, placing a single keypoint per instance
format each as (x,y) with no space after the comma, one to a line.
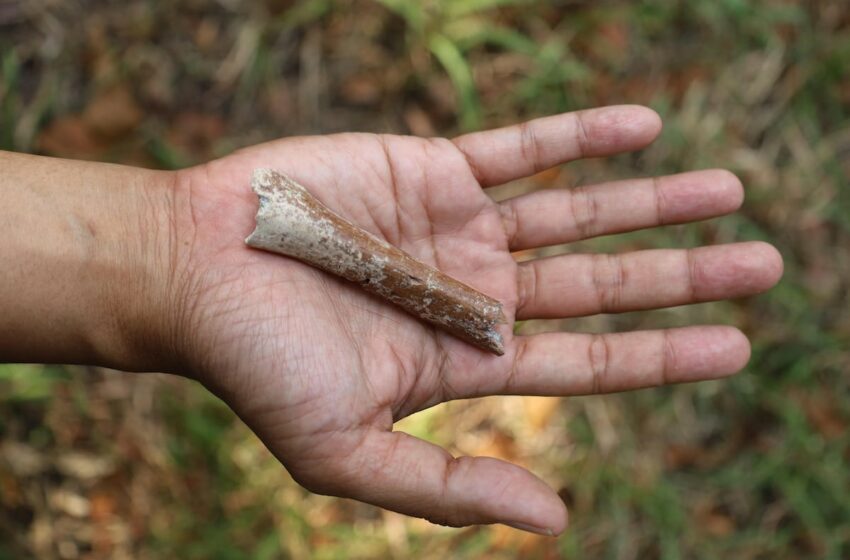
(582,284)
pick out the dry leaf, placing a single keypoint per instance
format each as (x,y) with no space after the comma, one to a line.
(677,457)
(361,89)
(113,113)
(418,122)
(823,413)
(195,134)
(500,445)
(70,137)
(84,466)
(22,459)
(539,411)
(70,503)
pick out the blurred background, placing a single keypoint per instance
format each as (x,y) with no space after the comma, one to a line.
(99,464)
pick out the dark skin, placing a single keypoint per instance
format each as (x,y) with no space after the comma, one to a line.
(321,370)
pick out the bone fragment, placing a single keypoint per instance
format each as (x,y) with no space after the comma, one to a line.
(291,222)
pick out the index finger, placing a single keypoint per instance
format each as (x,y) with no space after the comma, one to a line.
(505,154)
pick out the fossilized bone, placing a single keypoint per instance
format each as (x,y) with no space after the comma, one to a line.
(292,222)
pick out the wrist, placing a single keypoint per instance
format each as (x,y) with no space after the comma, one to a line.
(86,249)
(135,303)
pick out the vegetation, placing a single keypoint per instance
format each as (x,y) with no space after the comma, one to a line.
(97,464)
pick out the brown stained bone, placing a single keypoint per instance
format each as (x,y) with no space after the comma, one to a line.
(292,222)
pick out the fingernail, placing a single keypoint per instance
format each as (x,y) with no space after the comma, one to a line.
(531,529)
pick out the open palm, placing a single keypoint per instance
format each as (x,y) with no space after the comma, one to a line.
(320,370)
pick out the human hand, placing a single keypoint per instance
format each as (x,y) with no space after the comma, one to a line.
(321,370)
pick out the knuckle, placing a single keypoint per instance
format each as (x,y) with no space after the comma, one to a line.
(582,137)
(598,357)
(510,221)
(527,289)
(448,511)
(668,359)
(661,214)
(585,211)
(529,145)
(609,279)
(511,383)
(694,275)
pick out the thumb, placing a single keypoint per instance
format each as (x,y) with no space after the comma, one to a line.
(405,474)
